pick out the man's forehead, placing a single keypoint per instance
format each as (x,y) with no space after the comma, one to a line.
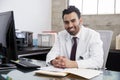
(70,16)
(69,20)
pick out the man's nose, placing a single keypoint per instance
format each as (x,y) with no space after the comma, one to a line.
(70,24)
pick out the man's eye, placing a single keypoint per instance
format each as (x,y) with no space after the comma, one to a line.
(66,22)
(73,20)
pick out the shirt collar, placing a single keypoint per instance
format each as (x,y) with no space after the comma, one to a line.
(78,34)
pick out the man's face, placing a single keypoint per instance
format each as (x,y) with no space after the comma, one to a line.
(71,23)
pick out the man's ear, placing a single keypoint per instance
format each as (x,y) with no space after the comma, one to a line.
(81,21)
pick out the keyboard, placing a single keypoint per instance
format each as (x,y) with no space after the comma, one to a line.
(25,64)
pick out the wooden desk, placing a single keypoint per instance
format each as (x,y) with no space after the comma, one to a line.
(18,74)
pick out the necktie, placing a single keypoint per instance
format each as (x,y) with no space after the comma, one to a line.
(73,50)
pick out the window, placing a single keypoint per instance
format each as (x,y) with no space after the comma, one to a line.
(97,6)
(77,3)
(90,7)
(106,7)
(117,10)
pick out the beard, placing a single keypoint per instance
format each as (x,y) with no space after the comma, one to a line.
(73,30)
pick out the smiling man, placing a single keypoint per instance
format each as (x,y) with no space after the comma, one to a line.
(76,46)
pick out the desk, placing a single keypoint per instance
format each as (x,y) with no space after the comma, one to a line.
(18,74)
(113,61)
(33,50)
(38,53)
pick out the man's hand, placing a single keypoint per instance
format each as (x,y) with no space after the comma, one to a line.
(63,62)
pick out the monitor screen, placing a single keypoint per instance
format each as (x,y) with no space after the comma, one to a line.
(7,35)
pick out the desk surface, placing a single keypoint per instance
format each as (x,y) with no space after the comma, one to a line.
(33,50)
(115,51)
(18,74)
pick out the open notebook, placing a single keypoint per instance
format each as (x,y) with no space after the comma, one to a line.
(52,71)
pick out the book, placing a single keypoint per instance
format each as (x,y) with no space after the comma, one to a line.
(52,71)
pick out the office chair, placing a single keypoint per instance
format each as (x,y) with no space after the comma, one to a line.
(106,37)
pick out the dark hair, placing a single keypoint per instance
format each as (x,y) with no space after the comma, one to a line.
(71,9)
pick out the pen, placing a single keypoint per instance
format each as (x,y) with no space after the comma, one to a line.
(81,57)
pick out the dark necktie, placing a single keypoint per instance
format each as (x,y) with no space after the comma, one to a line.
(73,50)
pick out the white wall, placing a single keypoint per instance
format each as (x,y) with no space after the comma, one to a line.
(30,15)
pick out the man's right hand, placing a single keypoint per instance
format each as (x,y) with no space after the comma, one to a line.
(58,62)
(63,62)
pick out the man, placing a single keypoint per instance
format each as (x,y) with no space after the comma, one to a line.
(89,52)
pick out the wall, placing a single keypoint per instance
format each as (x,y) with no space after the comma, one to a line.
(57,8)
(104,22)
(97,22)
(30,15)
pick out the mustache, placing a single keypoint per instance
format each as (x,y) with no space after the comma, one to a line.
(69,28)
(73,26)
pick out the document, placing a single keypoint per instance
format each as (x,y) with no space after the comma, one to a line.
(118,42)
(85,73)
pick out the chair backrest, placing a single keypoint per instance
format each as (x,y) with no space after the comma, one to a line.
(106,37)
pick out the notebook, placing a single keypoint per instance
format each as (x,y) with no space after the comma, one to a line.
(52,71)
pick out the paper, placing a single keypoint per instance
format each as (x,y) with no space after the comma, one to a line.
(85,73)
(118,42)
(51,68)
(51,71)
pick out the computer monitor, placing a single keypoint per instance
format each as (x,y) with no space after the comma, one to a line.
(7,35)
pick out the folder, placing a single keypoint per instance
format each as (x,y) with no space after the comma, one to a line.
(52,71)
